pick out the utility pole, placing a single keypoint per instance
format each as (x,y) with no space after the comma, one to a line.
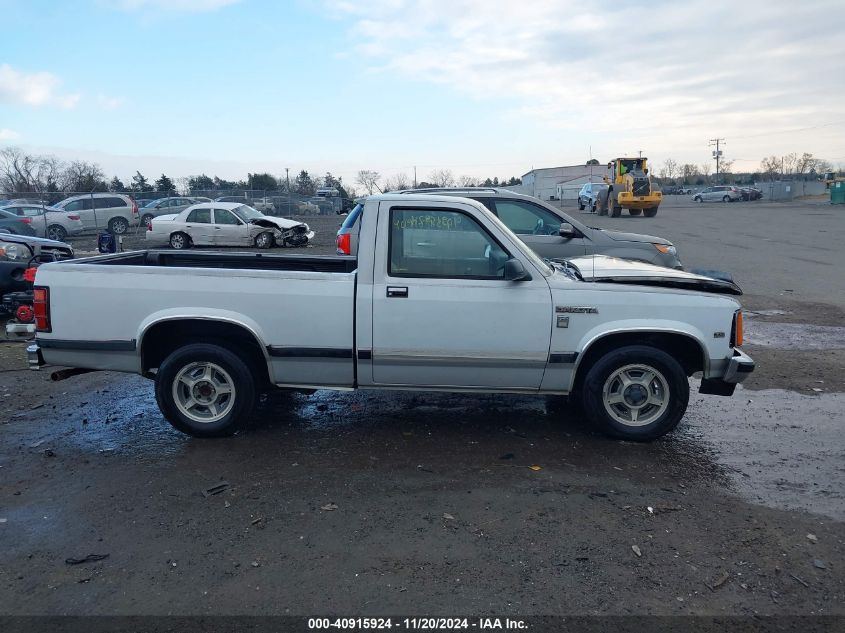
(287,184)
(717,153)
(415,176)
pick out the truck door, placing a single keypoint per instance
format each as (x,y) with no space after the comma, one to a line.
(443,313)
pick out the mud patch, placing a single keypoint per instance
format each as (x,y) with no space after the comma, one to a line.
(794,335)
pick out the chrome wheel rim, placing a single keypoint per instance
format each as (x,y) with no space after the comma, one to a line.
(204,392)
(635,395)
(55,233)
(119,226)
(177,241)
(263,240)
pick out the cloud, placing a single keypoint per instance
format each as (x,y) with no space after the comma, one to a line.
(8,135)
(33,89)
(172,6)
(109,103)
(644,71)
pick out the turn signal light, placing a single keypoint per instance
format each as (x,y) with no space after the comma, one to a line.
(29,275)
(41,307)
(738,342)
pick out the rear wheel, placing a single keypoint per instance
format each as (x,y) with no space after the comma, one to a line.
(264,240)
(650,212)
(635,211)
(697,199)
(205,390)
(726,198)
(635,393)
(147,219)
(56,232)
(118,226)
(180,241)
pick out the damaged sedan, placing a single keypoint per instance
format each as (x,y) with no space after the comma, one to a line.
(226,224)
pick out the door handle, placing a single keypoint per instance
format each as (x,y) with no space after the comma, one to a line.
(397,291)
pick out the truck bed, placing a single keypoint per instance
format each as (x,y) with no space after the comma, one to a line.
(236,261)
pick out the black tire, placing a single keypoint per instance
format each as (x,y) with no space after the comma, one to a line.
(674,388)
(264,239)
(56,232)
(180,240)
(118,225)
(697,199)
(593,207)
(726,198)
(171,390)
(616,212)
(580,205)
(297,240)
(650,212)
(635,211)
(147,219)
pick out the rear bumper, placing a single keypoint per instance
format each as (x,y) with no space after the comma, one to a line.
(739,367)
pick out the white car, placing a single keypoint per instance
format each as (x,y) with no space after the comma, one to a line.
(113,211)
(48,222)
(226,224)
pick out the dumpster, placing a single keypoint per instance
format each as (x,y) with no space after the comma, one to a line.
(837,193)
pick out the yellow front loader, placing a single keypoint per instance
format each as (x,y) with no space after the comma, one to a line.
(629,187)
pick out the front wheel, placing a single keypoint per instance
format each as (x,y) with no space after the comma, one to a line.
(264,240)
(56,232)
(205,390)
(650,212)
(635,393)
(697,199)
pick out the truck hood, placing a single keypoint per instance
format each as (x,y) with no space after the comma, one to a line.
(32,241)
(633,237)
(603,268)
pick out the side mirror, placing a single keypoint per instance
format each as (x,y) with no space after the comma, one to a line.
(515,271)
(566,230)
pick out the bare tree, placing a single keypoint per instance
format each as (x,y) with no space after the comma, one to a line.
(396,182)
(442,178)
(468,181)
(706,168)
(369,180)
(18,171)
(670,168)
(789,163)
(80,175)
(689,171)
(726,166)
(770,166)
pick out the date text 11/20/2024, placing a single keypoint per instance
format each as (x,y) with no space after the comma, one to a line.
(418,624)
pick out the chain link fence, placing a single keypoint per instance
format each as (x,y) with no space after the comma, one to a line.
(269,202)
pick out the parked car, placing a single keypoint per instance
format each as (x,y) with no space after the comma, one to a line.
(550,232)
(750,193)
(11,223)
(47,222)
(113,211)
(719,193)
(33,201)
(163,206)
(589,194)
(226,224)
(442,297)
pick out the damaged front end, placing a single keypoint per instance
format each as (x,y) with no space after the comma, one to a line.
(297,234)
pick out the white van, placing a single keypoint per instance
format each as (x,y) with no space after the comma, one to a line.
(112,211)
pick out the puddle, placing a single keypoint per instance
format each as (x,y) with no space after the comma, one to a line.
(794,335)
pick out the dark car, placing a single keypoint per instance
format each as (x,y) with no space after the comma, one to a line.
(16,253)
(14,224)
(750,193)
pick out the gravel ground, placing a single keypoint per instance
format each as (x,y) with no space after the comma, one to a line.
(374,503)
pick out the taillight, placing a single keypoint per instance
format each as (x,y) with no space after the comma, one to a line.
(344,244)
(736,330)
(73,216)
(26,220)
(134,208)
(41,307)
(29,275)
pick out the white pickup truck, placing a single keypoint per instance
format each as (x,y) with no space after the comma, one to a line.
(441,297)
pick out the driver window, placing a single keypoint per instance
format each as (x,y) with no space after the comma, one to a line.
(224,216)
(526,219)
(442,243)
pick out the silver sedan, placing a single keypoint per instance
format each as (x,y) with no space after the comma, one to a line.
(48,222)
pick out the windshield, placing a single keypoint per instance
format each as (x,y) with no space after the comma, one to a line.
(247,213)
(535,259)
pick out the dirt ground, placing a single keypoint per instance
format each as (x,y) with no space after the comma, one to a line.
(383,503)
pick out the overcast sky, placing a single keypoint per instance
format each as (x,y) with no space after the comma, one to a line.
(482,87)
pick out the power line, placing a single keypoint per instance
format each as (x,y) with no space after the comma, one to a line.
(717,153)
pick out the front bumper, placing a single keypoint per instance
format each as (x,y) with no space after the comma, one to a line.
(739,367)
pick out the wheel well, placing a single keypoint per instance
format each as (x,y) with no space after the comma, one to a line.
(164,337)
(685,349)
